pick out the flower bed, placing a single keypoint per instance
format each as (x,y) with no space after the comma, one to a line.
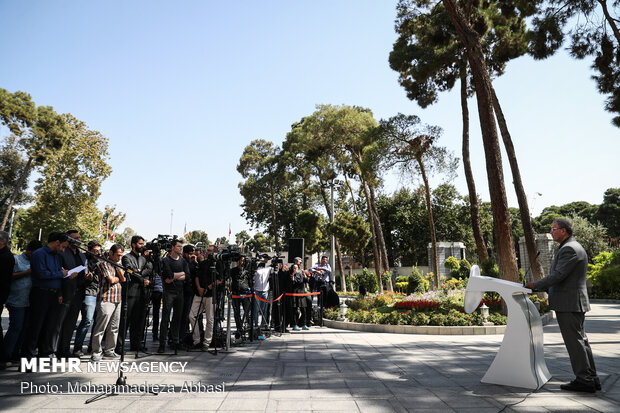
(433,308)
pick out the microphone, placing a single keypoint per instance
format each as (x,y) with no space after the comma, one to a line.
(75,242)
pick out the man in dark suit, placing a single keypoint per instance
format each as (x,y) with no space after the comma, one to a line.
(568,297)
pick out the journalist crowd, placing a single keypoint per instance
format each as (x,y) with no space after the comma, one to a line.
(116,293)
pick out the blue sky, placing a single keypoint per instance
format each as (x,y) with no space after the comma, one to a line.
(180,88)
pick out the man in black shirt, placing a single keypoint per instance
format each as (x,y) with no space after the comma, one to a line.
(72,296)
(136,286)
(208,273)
(7,262)
(240,277)
(188,288)
(174,272)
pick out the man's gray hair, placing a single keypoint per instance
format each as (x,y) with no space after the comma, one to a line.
(4,236)
(566,224)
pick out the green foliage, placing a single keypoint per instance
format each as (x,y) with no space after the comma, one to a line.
(590,236)
(453,265)
(580,208)
(196,236)
(608,213)
(352,231)
(69,184)
(593,33)
(401,286)
(406,226)
(455,284)
(416,282)
(13,163)
(311,226)
(464,268)
(604,275)
(489,268)
(368,280)
(260,243)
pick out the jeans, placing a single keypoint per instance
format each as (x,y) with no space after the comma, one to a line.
(17,315)
(261,308)
(173,301)
(88,311)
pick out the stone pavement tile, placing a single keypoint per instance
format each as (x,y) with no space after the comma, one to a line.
(357,383)
(262,394)
(289,384)
(598,403)
(77,402)
(143,405)
(334,405)
(379,406)
(426,401)
(327,383)
(526,409)
(370,392)
(191,403)
(555,401)
(236,404)
(288,394)
(465,401)
(30,402)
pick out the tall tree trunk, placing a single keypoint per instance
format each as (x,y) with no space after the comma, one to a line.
(501,218)
(431,222)
(15,193)
(336,244)
(474,208)
(524,210)
(373,230)
(346,180)
(273,218)
(381,239)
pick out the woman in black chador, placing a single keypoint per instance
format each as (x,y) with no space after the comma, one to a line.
(300,280)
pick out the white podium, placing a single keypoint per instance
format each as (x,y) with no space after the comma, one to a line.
(520,361)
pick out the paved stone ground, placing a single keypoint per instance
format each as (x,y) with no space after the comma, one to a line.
(347,371)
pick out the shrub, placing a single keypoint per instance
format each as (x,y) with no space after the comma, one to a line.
(454,284)
(464,268)
(604,275)
(401,286)
(385,277)
(453,265)
(418,305)
(488,268)
(416,282)
(368,280)
(331,313)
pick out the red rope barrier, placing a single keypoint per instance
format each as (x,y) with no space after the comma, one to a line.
(302,295)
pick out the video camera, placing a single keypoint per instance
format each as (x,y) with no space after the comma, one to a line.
(229,254)
(162,242)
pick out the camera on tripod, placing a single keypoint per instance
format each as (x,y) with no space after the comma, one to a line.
(229,254)
(157,245)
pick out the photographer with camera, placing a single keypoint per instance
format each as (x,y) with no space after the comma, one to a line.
(240,286)
(91,290)
(208,274)
(174,272)
(136,295)
(190,257)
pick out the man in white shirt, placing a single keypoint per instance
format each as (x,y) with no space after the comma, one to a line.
(261,289)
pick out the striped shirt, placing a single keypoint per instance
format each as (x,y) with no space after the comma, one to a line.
(108,292)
